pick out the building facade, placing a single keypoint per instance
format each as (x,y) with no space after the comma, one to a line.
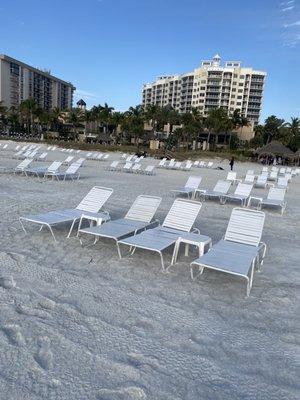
(210,86)
(19,81)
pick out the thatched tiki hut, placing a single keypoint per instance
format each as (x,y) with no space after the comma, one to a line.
(297,157)
(275,149)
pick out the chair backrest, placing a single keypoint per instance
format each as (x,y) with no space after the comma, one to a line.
(288,170)
(231,176)
(193,182)
(201,163)
(95,199)
(249,178)
(178,164)
(276,194)
(128,158)
(114,164)
(265,169)
(128,165)
(196,163)
(274,169)
(69,159)
(243,189)
(24,163)
(245,226)
(106,156)
(182,215)
(222,186)
(80,161)
(250,172)
(210,164)
(72,169)
(162,162)
(136,167)
(144,208)
(100,156)
(262,179)
(54,166)
(149,168)
(288,176)
(42,156)
(171,163)
(282,181)
(282,170)
(273,174)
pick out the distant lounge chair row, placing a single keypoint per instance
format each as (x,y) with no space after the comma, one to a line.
(203,164)
(129,167)
(238,253)
(97,156)
(175,165)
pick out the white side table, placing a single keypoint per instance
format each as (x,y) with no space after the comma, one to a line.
(257,200)
(97,218)
(193,239)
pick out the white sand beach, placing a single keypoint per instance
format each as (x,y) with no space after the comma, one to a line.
(79,323)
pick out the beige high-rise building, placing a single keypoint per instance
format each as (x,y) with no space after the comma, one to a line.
(19,81)
(210,86)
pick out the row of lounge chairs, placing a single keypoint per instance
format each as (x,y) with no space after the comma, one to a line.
(238,253)
(242,193)
(176,165)
(97,156)
(129,167)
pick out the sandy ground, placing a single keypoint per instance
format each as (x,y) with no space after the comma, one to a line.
(78,323)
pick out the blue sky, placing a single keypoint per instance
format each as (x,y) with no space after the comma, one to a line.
(109,48)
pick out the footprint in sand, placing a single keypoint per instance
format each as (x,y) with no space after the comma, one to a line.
(129,393)
(7,282)
(14,335)
(44,355)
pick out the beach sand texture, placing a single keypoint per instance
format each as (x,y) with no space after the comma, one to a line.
(78,323)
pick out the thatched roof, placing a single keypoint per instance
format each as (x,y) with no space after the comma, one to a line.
(275,148)
(297,153)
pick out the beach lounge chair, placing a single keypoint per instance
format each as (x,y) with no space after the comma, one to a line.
(162,163)
(231,177)
(282,183)
(136,168)
(250,172)
(70,173)
(149,170)
(190,187)
(68,160)
(210,164)
(178,165)
(221,188)
(127,167)
(282,171)
(273,175)
(22,166)
(139,217)
(42,171)
(249,179)
(241,193)
(171,164)
(114,166)
(261,181)
(187,167)
(202,164)
(41,157)
(240,250)
(275,198)
(196,164)
(79,162)
(178,223)
(265,169)
(90,206)
(52,170)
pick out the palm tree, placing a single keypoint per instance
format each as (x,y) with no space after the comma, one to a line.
(133,122)
(216,122)
(294,133)
(3,114)
(75,117)
(27,110)
(105,115)
(88,117)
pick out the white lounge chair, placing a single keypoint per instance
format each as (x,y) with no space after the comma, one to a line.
(52,170)
(127,167)
(90,207)
(273,175)
(40,171)
(231,177)
(149,170)
(261,181)
(221,188)
(162,163)
(139,217)
(240,250)
(241,193)
(210,164)
(114,166)
(190,187)
(22,166)
(282,183)
(187,167)
(68,160)
(275,198)
(41,157)
(249,179)
(178,223)
(70,173)
(136,168)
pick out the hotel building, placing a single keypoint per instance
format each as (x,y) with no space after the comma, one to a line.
(210,86)
(19,81)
